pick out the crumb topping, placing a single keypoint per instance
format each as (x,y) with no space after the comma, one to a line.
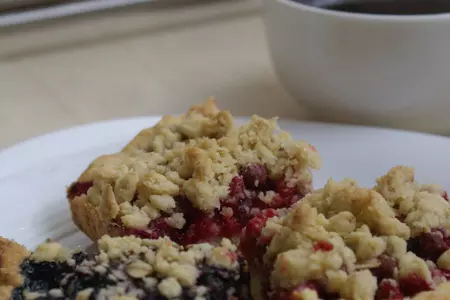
(360,243)
(50,252)
(441,293)
(422,206)
(195,155)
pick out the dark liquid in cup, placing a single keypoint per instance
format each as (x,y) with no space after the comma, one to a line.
(384,7)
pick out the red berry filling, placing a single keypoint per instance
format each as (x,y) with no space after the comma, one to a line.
(430,245)
(242,205)
(323,246)
(388,290)
(78,189)
(252,243)
(254,176)
(386,268)
(413,284)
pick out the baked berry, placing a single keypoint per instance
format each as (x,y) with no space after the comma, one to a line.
(413,284)
(429,245)
(254,175)
(386,268)
(388,290)
(78,188)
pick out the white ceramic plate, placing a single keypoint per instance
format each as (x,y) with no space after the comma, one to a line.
(35,173)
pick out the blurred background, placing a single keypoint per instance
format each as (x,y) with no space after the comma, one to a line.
(87,64)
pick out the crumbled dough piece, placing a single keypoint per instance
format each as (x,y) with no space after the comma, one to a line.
(296,259)
(162,202)
(108,208)
(444,260)
(366,246)
(50,252)
(422,206)
(410,263)
(368,207)
(125,187)
(398,187)
(176,220)
(360,285)
(343,222)
(428,211)
(139,269)
(306,294)
(395,246)
(441,293)
(170,288)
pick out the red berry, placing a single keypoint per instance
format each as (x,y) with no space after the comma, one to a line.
(78,189)
(254,175)
(158,228)
(229,227)
(445,196)
(255,225)
(323,246)
(413,284)
(285,190)
(269,213)
(386,268)
(236,187)
(250,240)
(204,229)
(429,245)
(388,290)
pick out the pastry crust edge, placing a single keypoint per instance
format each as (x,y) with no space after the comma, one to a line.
(87,218)
(11,257)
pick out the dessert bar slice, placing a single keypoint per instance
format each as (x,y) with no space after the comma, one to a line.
(194,178)
(347,242)
(129,268)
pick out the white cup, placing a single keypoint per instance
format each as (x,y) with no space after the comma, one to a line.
(385,70)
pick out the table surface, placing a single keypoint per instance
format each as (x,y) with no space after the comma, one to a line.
(142,60)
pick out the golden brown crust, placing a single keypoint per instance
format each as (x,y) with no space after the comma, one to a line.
(11,256)
(87,218)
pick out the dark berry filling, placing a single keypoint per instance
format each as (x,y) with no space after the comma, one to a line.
(70,279)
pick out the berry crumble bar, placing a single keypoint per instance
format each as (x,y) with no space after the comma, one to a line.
(130,268)
(347,242)
(193,178)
